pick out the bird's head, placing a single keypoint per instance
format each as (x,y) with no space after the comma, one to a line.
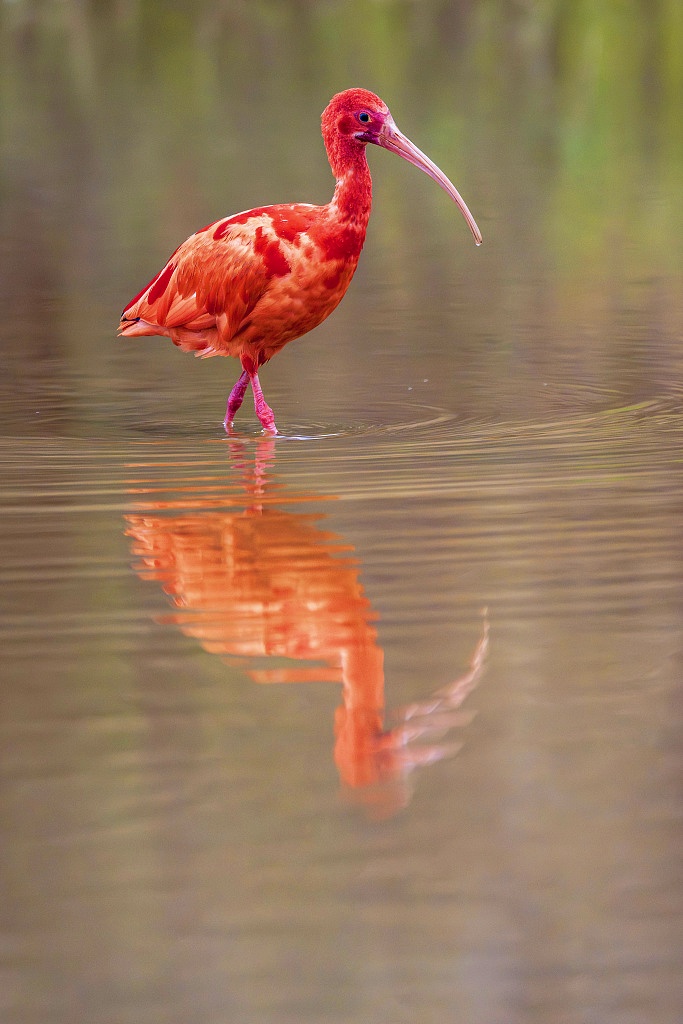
(356,117)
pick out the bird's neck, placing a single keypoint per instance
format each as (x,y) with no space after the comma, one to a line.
(352,197)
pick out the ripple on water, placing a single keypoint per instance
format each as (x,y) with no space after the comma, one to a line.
(430,450)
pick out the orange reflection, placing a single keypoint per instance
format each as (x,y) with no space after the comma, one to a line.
(253,580)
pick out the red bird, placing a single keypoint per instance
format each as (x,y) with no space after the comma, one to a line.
(246,285)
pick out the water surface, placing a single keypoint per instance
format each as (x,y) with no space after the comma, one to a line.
(380,719)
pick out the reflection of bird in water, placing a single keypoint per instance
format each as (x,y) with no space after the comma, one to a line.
(248,284)
(258,581)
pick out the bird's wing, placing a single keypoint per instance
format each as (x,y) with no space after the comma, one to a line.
(215,278)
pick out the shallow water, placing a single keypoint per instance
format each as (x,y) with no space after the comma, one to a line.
(379,719)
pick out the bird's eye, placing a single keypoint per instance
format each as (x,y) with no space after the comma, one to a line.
(364,117)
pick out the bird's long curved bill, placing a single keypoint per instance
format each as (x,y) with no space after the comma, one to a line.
(396,142)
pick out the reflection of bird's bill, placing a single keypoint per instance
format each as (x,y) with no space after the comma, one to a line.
(414,741)
(435,716)
(451,696)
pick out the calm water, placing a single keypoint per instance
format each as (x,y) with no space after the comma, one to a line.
(379,720)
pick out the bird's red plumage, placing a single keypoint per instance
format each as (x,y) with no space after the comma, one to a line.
(250,283)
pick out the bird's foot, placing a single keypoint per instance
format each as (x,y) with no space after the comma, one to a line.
(269,428)
(235,399)
(267,422)
(265,415)
(263,410)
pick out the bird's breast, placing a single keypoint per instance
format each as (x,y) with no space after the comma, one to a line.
(309,260)
(296,302)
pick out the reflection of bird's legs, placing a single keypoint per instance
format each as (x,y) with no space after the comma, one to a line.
(235,399)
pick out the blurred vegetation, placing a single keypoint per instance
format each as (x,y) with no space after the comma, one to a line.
(126,124)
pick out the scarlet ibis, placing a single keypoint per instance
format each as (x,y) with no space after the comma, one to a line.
(245,285)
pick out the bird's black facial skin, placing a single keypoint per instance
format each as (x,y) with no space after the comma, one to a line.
(371,125)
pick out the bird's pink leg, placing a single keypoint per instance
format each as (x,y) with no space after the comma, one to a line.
(235,399)
(263,410)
